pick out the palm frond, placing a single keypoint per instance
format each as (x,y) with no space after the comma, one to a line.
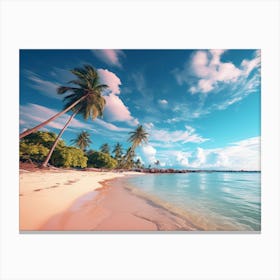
(63,89)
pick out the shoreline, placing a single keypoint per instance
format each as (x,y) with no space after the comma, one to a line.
(44,194)
(67,200)
(116,208)
(70,200)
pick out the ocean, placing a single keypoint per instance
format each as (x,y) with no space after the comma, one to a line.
(215,201)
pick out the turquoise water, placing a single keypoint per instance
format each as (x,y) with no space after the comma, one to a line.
(213,201)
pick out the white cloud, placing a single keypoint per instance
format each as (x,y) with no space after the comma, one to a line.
(110,79)
(182,158)
(200,158)
(149,153)
(110,57)
(110,126)
(43,86)
(162,101)
(249,65)
(240,155)
(210,72)
(183,136)
(115,109)
(149,125)
(230,84)
(33,114)
(203,86)
(244,154)
(173,120)
(208,68)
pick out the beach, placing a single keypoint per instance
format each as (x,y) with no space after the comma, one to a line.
(67,200)
(45,194)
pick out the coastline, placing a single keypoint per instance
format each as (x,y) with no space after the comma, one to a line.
(71,200)
(67,200)
(44,194)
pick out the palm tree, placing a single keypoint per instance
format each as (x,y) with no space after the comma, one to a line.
(88,93)
(138,136)
(105,148)
(138,163)
(157,162)
(129,158)
(82,141)
(118,151)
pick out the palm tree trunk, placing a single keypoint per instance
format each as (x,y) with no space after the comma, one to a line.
(34,129)
(44,164)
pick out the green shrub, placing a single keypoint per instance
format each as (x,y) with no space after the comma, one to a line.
(101,160)
(68,157)
(36,146)
(33,152)
(44,138)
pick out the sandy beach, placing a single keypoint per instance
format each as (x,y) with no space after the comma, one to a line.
(83,200)
(44,194)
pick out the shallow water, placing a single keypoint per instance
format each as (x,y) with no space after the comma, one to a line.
(212,201)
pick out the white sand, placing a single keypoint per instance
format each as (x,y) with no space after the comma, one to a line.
(44,194)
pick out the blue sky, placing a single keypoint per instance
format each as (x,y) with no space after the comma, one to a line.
(201,108)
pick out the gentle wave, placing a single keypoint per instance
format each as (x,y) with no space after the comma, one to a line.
(210,201)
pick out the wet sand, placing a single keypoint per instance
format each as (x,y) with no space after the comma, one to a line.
(90,201)
(116,208)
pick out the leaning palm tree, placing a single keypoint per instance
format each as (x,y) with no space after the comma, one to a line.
(82,140)
(86,84)
(88,93)
(129,163)
(138,136)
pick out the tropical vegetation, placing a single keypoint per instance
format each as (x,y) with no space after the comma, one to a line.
(88,91)
(35,147)
(84,98)
(105,148)
(101,160)
(82,140)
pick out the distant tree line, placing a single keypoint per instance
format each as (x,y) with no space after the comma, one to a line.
(35,147)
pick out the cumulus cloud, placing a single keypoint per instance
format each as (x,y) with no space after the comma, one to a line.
(244,154)
(115,109)
(182,158)
(110,57)
(149,153)
(207,66)
(210,72)
(110,79)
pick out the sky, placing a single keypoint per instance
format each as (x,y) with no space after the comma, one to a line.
(201,108)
